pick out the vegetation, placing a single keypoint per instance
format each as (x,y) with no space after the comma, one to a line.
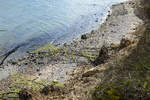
(146,7)
(130,79)
(68,53)
(127,78)
(25,82)
(19,82)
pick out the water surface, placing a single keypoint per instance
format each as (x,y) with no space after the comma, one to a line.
(42,21)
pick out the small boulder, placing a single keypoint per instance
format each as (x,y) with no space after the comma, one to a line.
(92,32)
(47,89)
(102,57)
(52,89)
(125,43)
(83,37)
(25,95)
(96,20)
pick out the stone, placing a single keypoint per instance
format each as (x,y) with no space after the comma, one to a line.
(47,89)
(25,95)
(52,89)
(92,32)
(125,42)
(102,57)
(96,20)
(83,37)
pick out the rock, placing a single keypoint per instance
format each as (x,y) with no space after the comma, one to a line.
(40,74)
(37,70)
(83,37)
(47,89)
(90,72)
(40,63)
(25,63)
(85,80)
(92,32)
(33,60)
(96,20)
(125,42)
(52,88)
(25,95)
(103,56)
(14,63)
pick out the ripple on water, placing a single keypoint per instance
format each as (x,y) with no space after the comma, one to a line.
(48,20)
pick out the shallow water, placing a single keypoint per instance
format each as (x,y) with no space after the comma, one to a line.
(41,21)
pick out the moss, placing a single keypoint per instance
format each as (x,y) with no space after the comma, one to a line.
(49,47)
(19,82)
(65,52)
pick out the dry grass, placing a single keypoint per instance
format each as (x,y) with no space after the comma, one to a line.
(129,78)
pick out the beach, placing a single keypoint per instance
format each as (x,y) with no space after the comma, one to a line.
(120,23)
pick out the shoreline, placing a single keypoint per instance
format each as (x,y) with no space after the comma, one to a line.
(114,29)
(25,46)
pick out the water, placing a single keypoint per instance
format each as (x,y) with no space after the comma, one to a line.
(42,21)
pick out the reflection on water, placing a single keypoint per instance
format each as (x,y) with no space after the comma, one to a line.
(42,21)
